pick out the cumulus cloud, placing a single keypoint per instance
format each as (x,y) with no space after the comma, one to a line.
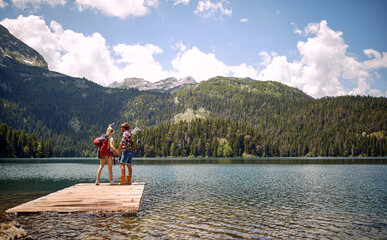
(323,66)
(202,66)
(64,50)
(139,61)
(296,30)
(378,60)
(192,61)
(3,4)
(244,20)
(89,56)
(208,9)
(324,63)
(118,8)
(176,2)
(36,3)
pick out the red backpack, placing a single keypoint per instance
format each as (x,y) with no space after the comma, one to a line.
(102,145)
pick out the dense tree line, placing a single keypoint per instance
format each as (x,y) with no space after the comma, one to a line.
(200,137)
(269,118)
(243,116)
(225,138)
(16,143)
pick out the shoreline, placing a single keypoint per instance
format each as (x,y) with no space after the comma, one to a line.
(213,160)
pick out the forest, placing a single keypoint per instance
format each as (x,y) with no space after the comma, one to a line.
(225,138)
(45,113)
(233,117)
(16,143)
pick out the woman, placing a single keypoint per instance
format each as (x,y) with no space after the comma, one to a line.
(109,157)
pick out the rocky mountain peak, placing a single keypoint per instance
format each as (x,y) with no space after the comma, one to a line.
(13,48)
(170,84)
(187,80)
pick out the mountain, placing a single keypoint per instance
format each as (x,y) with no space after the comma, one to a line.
(138,83)
(222,116)
(228,87)
(13,48)
(167,85)
(52,105)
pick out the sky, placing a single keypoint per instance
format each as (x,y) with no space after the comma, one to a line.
(324,48)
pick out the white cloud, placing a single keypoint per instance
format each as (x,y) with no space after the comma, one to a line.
(203,66)
(3,4)
(378,61)
(266,58)
(36,3)
(296,30)
(139,62)
(180,47)
(118,8)
(185,2)
(64,50)
(323,65)
(244,20)
(208,9)
(376,92)
(89,56)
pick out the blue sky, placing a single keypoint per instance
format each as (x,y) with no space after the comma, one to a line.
(325,48)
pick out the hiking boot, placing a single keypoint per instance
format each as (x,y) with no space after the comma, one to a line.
(123,181)
(128,180)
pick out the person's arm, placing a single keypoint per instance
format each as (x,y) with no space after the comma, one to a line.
(122,141)
(112,147)
(119,147)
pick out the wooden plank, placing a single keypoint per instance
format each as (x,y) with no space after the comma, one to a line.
(87,198)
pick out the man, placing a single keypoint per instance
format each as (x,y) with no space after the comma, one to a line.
(127,154)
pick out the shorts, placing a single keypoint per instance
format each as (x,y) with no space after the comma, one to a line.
(126,157)
(110,154)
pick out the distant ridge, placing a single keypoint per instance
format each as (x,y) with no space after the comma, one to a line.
(228,87)
(166,85)
(222,116)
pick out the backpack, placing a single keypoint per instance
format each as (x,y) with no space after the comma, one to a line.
(102,145)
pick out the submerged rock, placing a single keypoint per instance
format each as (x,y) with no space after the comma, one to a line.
(13,230)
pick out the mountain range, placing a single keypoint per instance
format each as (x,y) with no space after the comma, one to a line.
(166,85)
(222,116)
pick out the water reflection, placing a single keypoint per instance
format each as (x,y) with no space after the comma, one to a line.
(214,201)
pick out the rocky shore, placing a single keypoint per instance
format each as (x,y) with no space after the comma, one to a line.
(13,230)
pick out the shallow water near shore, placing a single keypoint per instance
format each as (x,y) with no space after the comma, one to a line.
(211,199)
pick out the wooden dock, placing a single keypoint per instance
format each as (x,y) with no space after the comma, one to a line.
(87,198)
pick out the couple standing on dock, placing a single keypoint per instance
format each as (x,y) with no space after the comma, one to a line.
(126,158)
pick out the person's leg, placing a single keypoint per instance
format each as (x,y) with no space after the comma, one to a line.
(123,177)
(110,167)
(102,164)
(122,166)
(129,165)
(129,181)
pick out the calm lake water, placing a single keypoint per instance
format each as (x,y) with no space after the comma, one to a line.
(212,199)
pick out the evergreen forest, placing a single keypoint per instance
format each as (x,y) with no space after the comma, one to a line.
(16,143)
(45,113)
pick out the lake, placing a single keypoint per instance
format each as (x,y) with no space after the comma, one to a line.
(213,198)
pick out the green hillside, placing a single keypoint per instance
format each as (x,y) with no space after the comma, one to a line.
(240,117)
(228,87)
